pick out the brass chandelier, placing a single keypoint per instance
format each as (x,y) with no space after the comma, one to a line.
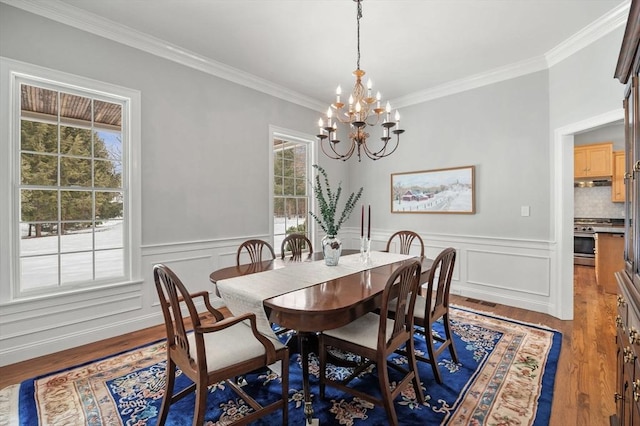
(363,110)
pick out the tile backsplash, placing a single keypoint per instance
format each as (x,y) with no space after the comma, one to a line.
(596,202)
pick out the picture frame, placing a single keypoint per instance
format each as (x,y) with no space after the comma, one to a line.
(439,191)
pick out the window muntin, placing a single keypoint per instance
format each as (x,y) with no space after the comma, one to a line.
(71,189)
(291,202)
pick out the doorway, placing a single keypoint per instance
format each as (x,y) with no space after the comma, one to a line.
(563,206)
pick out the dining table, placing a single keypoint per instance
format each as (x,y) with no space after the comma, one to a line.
(308,296)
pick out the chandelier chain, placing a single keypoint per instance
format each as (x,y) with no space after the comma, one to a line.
(359,15)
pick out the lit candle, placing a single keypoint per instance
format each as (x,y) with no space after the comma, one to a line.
(369,225)
(397,119)
(362,223)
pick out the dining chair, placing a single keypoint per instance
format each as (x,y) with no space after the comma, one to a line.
(254,249)
(435,306)
(374,337)
(296,244)
(405,240)
(213,349)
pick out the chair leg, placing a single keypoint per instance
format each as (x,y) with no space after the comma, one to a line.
(432,353)
(168,392)
(413,366)
(285,390)
(449,335)
(387,399)
(201,404)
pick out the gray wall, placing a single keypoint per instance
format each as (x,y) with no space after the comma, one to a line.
(613,132)
(503,130)
(199,132)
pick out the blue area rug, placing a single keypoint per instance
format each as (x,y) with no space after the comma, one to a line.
(505,376)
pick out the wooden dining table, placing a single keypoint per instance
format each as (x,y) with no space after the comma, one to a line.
(307,296)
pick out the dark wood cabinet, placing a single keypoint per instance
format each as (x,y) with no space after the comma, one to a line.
(627,394)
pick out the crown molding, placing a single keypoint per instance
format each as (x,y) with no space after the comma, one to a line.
(604,25)
(607,23)
(496,75)
(77,18)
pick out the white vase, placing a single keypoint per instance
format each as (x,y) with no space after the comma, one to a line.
(331,249)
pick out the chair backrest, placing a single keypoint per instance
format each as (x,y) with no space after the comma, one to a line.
(296,244)
(171,293)
(439,283)
(254,248)
(401,290)
(405,241)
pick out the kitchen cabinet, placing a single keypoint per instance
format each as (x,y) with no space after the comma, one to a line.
(594,160)
(627,394)
(617,183)
(609,259)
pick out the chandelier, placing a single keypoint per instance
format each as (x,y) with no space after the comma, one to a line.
(363,110)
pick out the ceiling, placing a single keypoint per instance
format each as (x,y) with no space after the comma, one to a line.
(408,47)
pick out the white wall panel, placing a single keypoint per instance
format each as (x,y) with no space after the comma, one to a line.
(522,273)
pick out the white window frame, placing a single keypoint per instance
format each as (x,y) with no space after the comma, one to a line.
(13,72)
(292,135)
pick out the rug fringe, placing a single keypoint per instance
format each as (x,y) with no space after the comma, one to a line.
(502,317)
(9,405)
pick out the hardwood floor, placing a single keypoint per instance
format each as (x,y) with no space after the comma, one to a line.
(585,378)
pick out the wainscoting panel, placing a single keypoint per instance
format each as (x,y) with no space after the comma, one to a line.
(512,272)
(515,272)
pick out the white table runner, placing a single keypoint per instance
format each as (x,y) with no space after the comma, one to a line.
(247,292)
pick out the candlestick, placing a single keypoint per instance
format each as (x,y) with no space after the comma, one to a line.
(362,222)
(369,227)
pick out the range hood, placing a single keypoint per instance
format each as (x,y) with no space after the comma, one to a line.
(591,183)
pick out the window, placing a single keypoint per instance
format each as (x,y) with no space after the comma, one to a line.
(291,200)
(71,194)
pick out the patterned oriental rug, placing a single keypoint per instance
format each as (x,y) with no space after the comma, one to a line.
(505,377)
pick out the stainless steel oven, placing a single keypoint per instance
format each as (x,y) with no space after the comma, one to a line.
(584,245)
(584,242)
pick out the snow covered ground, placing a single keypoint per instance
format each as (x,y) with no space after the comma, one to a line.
(76,261)
(41,267)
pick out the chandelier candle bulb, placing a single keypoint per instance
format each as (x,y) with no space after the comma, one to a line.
(338,93)
(397,119)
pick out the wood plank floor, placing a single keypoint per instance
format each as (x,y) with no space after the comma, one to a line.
(585,378)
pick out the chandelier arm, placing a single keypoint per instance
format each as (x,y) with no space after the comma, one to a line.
(375,122)
(337,155)
(382,152)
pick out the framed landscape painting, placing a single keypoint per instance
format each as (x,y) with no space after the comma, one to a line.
(434,191)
